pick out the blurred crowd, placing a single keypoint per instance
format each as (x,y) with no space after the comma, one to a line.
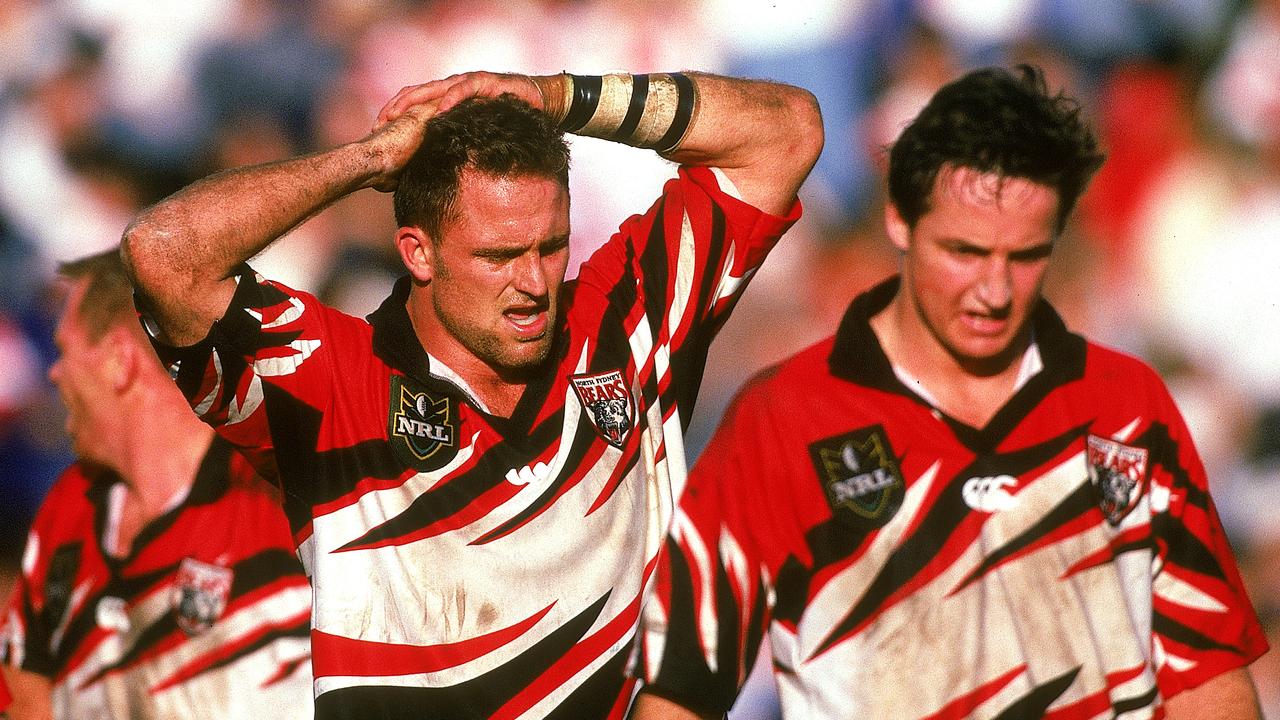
(108,105)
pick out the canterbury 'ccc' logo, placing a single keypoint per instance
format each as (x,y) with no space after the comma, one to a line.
(860,475)
(422,428)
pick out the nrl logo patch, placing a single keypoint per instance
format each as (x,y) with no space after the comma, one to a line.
(200,594)
(420,426)
(608,403)
(860,475)
(1118,473)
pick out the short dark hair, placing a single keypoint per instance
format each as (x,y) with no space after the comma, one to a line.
(994,121)
(500,136)
(108,298)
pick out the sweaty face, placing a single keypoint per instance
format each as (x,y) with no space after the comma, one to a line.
(82,382)
(975,263)
(498,268)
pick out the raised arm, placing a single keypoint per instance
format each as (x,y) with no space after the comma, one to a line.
(765,136)
(182,252)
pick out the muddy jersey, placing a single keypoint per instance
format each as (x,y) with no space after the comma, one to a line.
(205,617)
(1065,561)
(468,565)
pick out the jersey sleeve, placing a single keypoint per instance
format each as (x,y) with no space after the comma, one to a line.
(23,636)
(271,340)
(43,597)
(676,271)
(1202,620)
(713,599)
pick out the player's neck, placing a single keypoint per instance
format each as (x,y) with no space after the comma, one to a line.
(970,394)
(162,450)
(498,393)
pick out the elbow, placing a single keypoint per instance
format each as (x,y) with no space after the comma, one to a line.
(809,136)
(144,253)
(136,252)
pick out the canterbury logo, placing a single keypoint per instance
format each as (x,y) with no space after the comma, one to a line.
(989,494)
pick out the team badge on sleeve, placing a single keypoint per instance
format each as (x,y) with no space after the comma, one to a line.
(860,475)
(1118,473)
(200,594)
(421,427)
(608,403)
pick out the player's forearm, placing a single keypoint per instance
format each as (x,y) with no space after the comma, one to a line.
(32,694)
(766,136)
(183,250)
(1230,695)
(655,707)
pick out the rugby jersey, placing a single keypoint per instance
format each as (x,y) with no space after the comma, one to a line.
(206,617)
(467,565)
(1065,561)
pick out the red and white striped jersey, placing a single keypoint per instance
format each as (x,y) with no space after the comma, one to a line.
(205,617)
(467,565)
(1065,561)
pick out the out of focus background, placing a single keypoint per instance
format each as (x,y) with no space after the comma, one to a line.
(1174,254)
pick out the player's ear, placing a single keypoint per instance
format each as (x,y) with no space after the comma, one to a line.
(417,252)
(121,361)
(898,229)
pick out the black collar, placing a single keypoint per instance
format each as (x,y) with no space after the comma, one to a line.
(211,482)
(394,340)
(858,356)
(396,343)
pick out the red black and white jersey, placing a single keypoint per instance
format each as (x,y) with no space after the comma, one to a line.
(1065,561)
(206,616)
(468,565)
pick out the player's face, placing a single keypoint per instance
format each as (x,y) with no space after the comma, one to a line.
(499,265)
(80,375)
(975,263)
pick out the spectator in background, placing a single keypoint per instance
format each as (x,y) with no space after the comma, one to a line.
(159,578)
(956,507)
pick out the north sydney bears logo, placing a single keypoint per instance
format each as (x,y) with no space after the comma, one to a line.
(200,594)
(1118,472)
(860,475)
(421,427)
(608,403)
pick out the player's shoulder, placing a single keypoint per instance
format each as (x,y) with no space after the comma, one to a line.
(1110,364)
(1123,376)
(68,498)
(280,303)
(789,380)
(77,478)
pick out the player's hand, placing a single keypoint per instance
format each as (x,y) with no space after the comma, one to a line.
(454,89)
(394,141)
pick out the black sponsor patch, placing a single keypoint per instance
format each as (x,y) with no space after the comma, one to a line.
(860,475)
(608,403)
(1118,473)
(422,428)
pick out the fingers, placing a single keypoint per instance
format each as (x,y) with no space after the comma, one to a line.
(410,96)
(450,91)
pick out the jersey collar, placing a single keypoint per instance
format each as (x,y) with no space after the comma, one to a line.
(858,356)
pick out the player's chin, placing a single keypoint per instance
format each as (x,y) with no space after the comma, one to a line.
(526,354)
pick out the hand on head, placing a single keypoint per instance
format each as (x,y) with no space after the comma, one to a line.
(450,91)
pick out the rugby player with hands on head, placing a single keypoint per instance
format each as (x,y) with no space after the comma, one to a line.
(480,474)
